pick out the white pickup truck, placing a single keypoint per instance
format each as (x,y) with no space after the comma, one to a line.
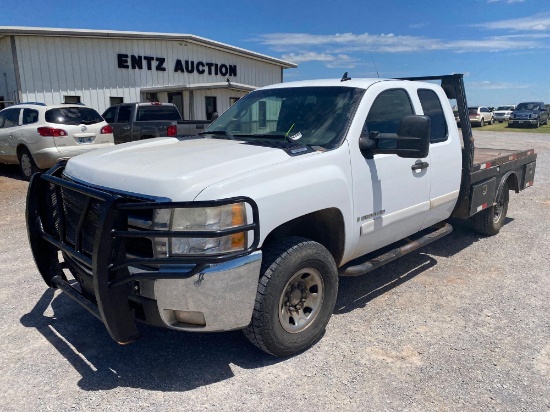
(249,225)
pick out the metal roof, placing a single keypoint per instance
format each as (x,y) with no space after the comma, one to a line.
(115,34)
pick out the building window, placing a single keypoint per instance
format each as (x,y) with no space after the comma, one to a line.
(151,97)
(233,100)
(71,99)
(262,117)
(115,100)
(211,106)
(2,103)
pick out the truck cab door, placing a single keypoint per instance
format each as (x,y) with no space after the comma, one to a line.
(122,128)
(391,193)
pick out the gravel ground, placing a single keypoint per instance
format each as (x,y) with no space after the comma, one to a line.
(463,324)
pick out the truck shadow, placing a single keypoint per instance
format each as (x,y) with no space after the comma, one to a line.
(167,360)
(11,171)
(162,360)
(356,292)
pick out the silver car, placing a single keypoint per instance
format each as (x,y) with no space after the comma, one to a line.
(502,113)
(37,136)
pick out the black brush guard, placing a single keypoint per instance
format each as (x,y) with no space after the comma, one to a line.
(108,262)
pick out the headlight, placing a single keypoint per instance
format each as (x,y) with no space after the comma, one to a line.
(534,116)
(200,219)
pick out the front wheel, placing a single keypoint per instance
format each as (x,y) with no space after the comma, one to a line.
(26,164)
(489,221)
(295,297)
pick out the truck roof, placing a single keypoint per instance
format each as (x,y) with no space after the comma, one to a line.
(361,83)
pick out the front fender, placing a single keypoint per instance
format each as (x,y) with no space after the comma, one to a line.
(294,188)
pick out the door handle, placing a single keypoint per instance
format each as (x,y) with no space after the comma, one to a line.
(419,165)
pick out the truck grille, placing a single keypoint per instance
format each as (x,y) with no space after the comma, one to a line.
(74,205)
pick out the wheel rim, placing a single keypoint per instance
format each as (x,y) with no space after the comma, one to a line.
(497,212)
(26,165)
(301,300)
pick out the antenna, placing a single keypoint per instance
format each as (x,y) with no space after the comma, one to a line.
(377,75)
(345,77)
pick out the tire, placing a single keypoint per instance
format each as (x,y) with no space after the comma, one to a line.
(537,125)
(491,121)
(482,122)
(295,298)
(489,221)
(26,164)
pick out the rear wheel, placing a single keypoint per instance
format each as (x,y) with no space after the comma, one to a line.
(482,122)
(295,298)
(491,121)
(26,164)
(489,221)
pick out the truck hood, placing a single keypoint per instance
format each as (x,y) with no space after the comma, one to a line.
(169,168)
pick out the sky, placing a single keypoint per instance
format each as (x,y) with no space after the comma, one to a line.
(501,46)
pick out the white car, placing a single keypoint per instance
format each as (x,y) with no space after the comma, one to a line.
(480,115)
(37,136)
(502,113)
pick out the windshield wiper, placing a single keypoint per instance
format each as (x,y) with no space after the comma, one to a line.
(219,132)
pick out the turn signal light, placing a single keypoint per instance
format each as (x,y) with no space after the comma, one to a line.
(50,131)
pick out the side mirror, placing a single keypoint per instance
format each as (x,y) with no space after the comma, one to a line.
(411,141)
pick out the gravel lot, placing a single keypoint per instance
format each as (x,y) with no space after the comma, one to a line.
(463,324)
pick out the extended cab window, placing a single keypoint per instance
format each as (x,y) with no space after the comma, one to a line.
(432,108)
(386,113)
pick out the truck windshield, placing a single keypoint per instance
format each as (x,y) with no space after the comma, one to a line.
(310,116)
(527,106)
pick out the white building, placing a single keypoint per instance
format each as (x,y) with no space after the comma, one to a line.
(101,68)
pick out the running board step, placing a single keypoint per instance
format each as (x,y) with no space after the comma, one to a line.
(352,269)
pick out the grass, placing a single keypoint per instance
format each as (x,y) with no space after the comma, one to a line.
(503,127)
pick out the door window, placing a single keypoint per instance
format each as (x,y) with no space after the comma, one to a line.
(386,113)
(30,116)
(124,114)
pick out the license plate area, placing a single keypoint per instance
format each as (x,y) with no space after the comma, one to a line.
(85,140)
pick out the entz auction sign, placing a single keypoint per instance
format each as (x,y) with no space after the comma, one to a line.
(134,62)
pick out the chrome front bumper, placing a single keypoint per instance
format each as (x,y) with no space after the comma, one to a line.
(219,298)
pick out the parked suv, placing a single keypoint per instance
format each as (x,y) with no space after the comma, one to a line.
(480,115)
(37,136)
(502,113)
(529,114)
